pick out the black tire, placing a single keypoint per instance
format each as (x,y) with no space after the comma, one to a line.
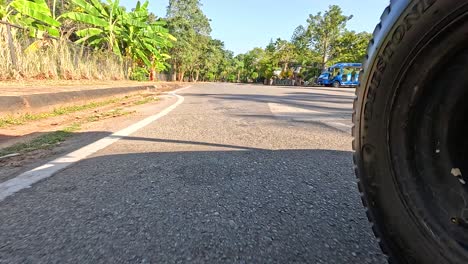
(411,125)
(336,84)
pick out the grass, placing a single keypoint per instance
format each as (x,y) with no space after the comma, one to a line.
(54,59)
(45,141)
(113,113)
(146,100)
(52,139)
(20,120)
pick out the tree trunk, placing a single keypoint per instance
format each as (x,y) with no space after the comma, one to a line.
(325,55)
(181,76)
(197,75)
(11,46)
(152,74)
(324,62)
(174,73)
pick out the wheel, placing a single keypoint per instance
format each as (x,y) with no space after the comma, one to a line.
(411,131)
(336,84)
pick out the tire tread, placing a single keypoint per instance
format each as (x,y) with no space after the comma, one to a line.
(364,200)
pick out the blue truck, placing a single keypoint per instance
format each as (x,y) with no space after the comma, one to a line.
(341,74)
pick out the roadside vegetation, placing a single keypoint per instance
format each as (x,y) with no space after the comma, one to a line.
(324,40)
(15,120)
(80,39)
(101,40)
(70,120)
(45,141)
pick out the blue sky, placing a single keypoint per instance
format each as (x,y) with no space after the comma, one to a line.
(245,24)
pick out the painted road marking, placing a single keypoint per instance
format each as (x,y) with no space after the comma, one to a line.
(283,109)
(307,115)
(27,179)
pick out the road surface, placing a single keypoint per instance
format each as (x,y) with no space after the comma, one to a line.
(233,174)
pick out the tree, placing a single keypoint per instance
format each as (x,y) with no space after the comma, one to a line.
(192,29)
(351,47)
(301,38)
(239,65)
(285,53)
(143,41)
(325,30)
(252,63)
(211,58)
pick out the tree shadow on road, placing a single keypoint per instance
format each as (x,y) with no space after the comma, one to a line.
(214,205)
(333,103)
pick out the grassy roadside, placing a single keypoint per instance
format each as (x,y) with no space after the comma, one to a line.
(45,141)
(52,139)
(146,100)
(23,119)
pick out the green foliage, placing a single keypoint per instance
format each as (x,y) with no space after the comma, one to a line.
(45,141)
(351,47)
(325,30)
(35,15)
(287,74)
(3,9)
(136,35)
(231,78)
(192,29)
(104,23)
(140,74)
(285,53)
(23,119)
(254,76)
(323,41)
(300,38)
(145,42)
(181,43)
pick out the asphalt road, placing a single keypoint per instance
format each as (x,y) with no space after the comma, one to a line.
(235,174)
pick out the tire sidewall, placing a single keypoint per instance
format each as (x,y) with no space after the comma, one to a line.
(380,83)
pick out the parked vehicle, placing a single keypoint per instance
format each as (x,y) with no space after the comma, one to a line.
(410,133)
(323,78)
(341,74)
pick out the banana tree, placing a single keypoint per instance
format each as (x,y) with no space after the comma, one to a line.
(3,9)
(35,15)
(104,22)
(145,42)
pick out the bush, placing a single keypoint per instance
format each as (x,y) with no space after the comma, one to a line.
(254,76)
(211,77)
(232,78)
(140,74)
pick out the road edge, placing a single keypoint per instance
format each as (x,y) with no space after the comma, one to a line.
(27,179)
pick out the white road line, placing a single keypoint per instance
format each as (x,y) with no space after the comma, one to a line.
(27,179)
(281,109)
(307,115)
(341,124)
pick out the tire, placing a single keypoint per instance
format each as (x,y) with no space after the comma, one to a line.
(410,125)
(336,84)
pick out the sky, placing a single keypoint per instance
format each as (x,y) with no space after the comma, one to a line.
(245,24)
